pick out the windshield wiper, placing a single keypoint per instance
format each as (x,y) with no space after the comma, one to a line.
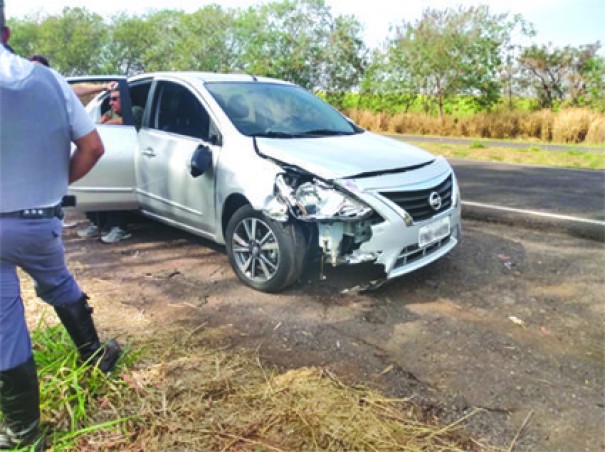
(324,132)
(273,134)
(305,134)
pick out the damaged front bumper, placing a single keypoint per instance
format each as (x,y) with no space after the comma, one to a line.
(358,226)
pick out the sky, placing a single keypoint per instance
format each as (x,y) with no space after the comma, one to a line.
(560,22)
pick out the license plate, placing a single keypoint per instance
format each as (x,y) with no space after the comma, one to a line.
(433,232)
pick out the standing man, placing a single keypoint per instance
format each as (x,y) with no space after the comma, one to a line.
(113,224)
(40,117)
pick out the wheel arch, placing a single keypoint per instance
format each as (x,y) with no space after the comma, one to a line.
(230,206)
(267,255)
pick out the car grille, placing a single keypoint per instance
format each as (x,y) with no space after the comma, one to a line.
(413,253)
(416,202)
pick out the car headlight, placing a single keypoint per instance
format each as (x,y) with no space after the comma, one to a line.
(318,201)
(455,193)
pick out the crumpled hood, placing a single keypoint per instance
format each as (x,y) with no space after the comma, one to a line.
(344,156)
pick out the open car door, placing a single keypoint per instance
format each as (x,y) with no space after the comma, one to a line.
(110,185)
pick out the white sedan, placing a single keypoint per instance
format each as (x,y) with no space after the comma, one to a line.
(271,171)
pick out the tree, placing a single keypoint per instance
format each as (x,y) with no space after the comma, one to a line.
(26,40)
(568,74)
(74,41)
(161,55)
(300,41)
(387,84)
(451,52)
(548,68)
(510,73)
(285,39)
(344,59)
(591,71)
(205,40)
(131,40)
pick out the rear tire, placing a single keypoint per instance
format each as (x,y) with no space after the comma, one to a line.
(265,254)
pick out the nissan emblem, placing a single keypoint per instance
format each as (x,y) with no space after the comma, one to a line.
(435,200)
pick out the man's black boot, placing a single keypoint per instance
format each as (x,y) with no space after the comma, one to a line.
(77,319)
(20,406)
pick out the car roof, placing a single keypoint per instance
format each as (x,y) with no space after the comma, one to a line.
(205,77)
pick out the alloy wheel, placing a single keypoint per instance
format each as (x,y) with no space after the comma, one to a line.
(255,249)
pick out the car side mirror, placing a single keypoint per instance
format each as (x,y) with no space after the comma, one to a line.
(216,139)
(201,160)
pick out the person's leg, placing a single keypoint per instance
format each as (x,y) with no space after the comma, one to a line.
(118,218)
(118,229)
(45,263)
(15,342)
(92,230)
(20,406)
(77,319)
(19,396)
(103,221)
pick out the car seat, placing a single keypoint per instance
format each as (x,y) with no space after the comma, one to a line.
(237,108)
(137,114)
(239,112)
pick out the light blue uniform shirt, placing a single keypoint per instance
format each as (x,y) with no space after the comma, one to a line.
(40,116)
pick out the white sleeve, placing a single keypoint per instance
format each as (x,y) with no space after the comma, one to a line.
(79,122)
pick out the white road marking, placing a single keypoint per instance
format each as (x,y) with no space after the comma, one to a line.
(534,213)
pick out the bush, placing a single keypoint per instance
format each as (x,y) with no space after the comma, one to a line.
(571,125)
(537,124)
(596,132)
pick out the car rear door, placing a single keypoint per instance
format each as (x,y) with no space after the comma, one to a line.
(110,185)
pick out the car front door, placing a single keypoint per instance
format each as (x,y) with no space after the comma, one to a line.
(174,127)
(110,185)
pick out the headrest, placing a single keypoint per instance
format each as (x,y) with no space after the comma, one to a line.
(237,107)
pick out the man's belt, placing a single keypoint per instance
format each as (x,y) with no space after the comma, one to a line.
(35,214)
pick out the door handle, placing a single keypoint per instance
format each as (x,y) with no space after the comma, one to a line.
(148,152)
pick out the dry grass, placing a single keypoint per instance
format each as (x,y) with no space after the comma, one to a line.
(538,125)
(572,125)
(218,400)
(489,125)
(183,394)
(596,131)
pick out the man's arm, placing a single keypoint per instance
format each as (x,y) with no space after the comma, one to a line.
(83,89)
(108,119)
(89,150)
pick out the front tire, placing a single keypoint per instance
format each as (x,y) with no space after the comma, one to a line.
(265,254)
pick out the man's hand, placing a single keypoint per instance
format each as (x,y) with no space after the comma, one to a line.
(107,119)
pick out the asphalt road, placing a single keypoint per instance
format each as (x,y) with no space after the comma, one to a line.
(553,198)
(561,199)
(576,193)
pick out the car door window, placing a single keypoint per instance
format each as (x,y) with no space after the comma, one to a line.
(139,93)
(177,110)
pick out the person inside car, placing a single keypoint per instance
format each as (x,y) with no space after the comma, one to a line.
(114,114)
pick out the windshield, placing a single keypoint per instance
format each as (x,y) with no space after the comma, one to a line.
(278,111)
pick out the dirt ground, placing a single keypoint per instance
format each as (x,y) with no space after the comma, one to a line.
(510,322)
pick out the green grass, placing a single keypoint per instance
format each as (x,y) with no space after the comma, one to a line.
(75,398)
(532,155)
(477,145)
